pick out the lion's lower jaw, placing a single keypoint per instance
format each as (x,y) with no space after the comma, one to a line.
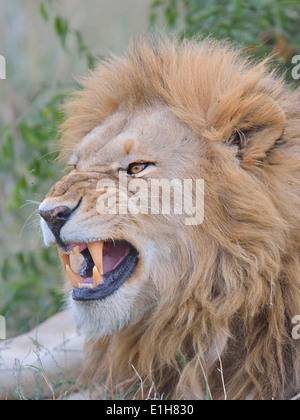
(99,319)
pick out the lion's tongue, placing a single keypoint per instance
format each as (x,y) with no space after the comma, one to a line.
(113,255)
(105,256)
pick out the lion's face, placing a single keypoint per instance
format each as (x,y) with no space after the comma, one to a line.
(224,289)
(116,259)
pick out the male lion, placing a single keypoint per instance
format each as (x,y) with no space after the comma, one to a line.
(169,307)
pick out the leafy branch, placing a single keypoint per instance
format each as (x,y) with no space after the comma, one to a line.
(261,26)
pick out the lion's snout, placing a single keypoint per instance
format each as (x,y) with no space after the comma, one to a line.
(56,217)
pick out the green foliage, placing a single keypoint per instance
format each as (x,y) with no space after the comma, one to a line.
(65,32)
(62,29)
(30,143)
(30,283)
(261,26)
(28,288)
(29,294)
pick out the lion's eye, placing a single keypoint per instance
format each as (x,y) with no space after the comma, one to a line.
(137,167)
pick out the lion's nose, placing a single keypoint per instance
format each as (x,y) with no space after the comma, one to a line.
(56,218)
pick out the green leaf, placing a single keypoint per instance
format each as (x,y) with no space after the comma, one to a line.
(4,130)
(44,12)
(171,16)
(80,43)
(62,28)
(28,134)
(8,148)
(16,200)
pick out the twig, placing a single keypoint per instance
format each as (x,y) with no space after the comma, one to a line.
(205,377)
(45,379)
(110,377)
(142,382)
(222,375)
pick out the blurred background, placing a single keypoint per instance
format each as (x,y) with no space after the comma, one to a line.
(47,44)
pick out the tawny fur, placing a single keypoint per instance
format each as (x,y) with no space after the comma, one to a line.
(241,283)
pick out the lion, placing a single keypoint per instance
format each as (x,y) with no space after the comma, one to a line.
(167,308)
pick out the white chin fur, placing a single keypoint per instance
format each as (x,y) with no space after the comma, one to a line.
(98,319)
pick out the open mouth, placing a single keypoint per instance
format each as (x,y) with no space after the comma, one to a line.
(98,269)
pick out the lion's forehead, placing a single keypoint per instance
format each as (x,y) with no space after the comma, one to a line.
(146,134)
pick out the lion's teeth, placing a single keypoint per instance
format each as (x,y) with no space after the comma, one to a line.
(97,278)
(85,286)
(96,251)
(74,278)
(65,259)
(76,250)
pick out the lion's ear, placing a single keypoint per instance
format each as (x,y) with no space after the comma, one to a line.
(256,125)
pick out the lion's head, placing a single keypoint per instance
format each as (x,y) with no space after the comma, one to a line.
(175,299)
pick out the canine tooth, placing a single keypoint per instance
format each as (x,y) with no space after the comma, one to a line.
(97,278)
(96,251)
(76,250)
(73,277)
(65,259)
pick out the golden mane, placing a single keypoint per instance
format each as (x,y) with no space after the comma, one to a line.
(237,303)
(188,76)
